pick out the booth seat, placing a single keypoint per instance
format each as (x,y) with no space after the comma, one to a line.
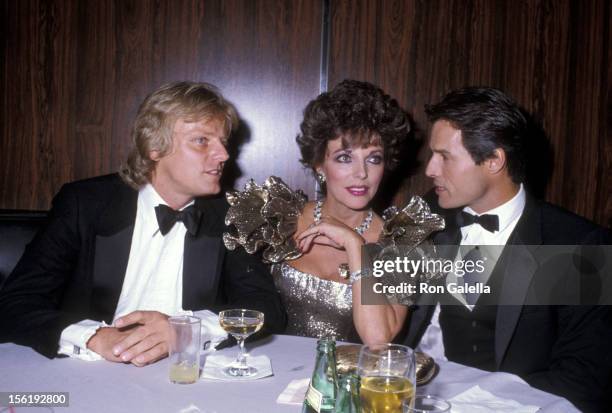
(17,228)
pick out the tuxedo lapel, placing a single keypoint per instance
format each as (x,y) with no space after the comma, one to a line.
(515,285)
(110,263)
(519,266)
(202,260)
(113,241)
(201,268)
(448,240)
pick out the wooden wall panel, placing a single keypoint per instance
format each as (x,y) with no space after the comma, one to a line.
(74,73)
(583,187)
(91,149)
(552,56)
(36,107)
(605,205)
(265,56)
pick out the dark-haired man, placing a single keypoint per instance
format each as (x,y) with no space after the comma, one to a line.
(477,141)
(121,254)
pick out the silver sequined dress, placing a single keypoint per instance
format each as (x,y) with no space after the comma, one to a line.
(264,218)
(315,307)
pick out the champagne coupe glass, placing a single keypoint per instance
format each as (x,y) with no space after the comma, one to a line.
(241,323)
(387,377)
(425,403)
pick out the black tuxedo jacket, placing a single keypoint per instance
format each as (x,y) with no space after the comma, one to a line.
(75,266)
(566,350)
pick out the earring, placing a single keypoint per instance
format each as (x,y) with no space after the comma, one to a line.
(321,178)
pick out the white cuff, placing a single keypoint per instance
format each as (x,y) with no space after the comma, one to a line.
(212,332)
(74,338)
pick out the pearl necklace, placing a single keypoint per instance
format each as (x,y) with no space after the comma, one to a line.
(361,229)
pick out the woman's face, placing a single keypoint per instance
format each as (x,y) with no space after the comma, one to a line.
(352,174)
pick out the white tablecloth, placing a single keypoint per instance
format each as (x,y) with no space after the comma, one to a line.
(112,387)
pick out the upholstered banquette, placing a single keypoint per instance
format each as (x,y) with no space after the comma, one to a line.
(17,228)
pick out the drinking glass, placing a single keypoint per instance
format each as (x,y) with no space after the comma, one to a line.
(425,403)
(387,377)
(184,352)
(241,323)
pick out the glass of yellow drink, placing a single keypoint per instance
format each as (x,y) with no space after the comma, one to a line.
(387,377)
(184,352)
(241,323)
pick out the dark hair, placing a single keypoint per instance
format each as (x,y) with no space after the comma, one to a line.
(488,119)
(359,112)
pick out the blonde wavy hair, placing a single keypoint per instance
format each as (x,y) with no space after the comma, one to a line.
(152,129)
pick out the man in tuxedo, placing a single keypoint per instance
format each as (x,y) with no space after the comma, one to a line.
(120,253)
(478,139)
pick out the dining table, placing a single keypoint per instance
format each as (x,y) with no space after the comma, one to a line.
(102,386)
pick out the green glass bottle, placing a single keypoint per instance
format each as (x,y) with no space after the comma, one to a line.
(321,394)
(348,395)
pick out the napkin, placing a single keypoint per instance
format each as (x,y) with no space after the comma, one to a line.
(477,400)
(212,332)
(294,393)
(215,363)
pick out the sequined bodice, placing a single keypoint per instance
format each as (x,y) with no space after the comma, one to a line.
(315,307)
(265,218)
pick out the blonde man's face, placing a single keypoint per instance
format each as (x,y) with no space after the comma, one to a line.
(194,163)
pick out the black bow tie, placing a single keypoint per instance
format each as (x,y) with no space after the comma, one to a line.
(488,222)
(167,217)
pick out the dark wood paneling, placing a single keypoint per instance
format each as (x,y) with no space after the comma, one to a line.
(584,188)
(38,69)
(95,88)
(552,56)
(605,203)
(74,73)
(265,56)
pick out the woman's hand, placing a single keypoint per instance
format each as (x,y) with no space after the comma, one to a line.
(331,232)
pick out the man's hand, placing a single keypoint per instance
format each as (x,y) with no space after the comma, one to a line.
(148,338)
(104,339)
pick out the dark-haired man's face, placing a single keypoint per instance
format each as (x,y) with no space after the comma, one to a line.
(458,181)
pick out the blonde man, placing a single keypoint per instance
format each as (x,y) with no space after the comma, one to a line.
(122,252)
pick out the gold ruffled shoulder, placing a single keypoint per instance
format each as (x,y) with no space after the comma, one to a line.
(405,233)
(409,226)
(265,218)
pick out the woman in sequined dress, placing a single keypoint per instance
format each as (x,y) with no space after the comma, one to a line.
(350,137)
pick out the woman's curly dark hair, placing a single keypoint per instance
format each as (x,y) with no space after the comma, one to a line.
(361,114)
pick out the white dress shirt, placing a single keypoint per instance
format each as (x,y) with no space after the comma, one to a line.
(509,214)
(153,278)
